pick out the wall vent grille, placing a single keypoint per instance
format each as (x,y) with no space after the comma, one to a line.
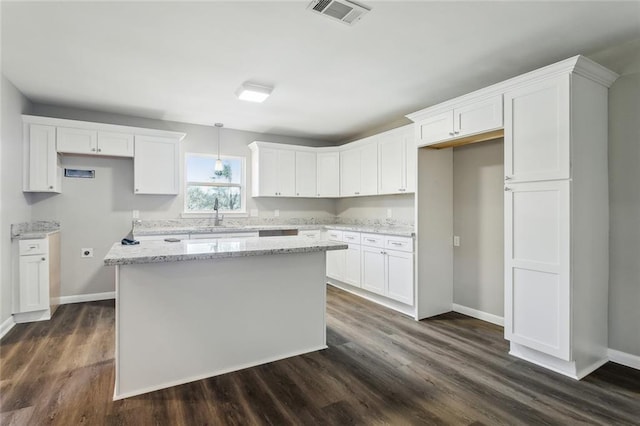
(345,11)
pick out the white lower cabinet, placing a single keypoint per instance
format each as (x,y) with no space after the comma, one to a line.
(38,285)
(379,264)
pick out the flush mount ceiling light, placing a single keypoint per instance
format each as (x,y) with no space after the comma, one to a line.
(253,92)
(346,11)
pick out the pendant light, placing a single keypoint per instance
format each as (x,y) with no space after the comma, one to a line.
(219,167)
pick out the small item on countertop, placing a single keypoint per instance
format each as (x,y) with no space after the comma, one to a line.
(172,240)
(128,242)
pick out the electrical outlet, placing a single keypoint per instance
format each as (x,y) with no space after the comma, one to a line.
(456,241)
(86,252)
(389,213)
(276,213)
(136,214)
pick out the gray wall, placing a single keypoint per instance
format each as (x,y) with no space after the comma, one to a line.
(478,219)
(375,208)
(14,207)
(97,212)
(624,211)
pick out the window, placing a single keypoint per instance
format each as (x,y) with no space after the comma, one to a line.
(204,184)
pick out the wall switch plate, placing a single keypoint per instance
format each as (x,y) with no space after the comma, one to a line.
(86,252)
(276,213)
(456,241)
(254,212)
(136,214)
(389,213)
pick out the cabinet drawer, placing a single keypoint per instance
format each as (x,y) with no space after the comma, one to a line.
(351,237)
(312,234)
(28,247)
(399,243)
(333,235)
(160,237)
(372,240)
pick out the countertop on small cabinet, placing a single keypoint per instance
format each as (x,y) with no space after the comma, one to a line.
(218,248)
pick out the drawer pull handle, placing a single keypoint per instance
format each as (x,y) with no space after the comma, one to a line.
(43,259)
(396,244)
(370,240)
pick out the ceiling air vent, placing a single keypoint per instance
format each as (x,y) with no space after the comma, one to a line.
(342,10)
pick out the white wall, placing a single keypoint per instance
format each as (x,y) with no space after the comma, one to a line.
(96,213)
(14,207)
(375,208)
(478,218)
(624,214)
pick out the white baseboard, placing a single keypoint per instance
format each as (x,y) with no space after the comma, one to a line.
(624,358)
(484,316)
(78,298)
(7,325)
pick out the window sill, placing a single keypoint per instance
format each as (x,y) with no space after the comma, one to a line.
(186,215)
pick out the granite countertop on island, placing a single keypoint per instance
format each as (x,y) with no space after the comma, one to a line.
(162,251)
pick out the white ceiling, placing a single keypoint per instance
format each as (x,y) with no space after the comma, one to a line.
(183,61)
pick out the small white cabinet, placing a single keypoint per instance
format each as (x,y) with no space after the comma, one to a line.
(156,167)
(397,161)
(41,171)
(537,131)
(335,258)
(359,169)
(273,171)
(328,173)
(94,142)
(466,119)
(306,174)
(38,283)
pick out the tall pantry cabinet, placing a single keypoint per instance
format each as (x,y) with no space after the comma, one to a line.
(557,219)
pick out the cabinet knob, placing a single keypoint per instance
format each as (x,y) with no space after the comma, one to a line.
(508,178)
(137,190)
(451,133)
(44,258)
(99,150)
(318,195)
(297,193)
(456,132)
(51,187)
(93,149)
(506,188)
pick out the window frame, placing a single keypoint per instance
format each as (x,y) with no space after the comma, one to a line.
(242,185)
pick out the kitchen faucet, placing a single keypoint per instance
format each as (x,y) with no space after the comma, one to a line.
(218,220)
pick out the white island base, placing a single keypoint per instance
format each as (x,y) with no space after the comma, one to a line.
(177,322)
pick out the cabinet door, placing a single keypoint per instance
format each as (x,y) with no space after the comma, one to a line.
(369,168)
(266,184)
(328,183)
(536,131)
(352,265)
(42,173)
(350,172)
(77,141)
(537,266)
(306,176)
(115,144)
(411,160)
(156,165)
(336,264)
(286,173)
(478,117)
(391,150)
(34,283)
(373,276)
(435,129)
(399,276)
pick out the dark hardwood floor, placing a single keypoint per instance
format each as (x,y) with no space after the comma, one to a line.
(380,368)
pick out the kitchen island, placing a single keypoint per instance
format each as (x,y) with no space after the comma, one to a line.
(193,309)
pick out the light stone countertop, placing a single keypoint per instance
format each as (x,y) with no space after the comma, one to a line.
(162,251)
(402,231)
(34,230)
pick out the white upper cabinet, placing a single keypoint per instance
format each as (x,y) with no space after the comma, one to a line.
(273,171)
(359,170)
(396,162)
(467,119)
(156,165)
(537,131)
(328,174)
(94,142)
(41,172)
(306,175)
